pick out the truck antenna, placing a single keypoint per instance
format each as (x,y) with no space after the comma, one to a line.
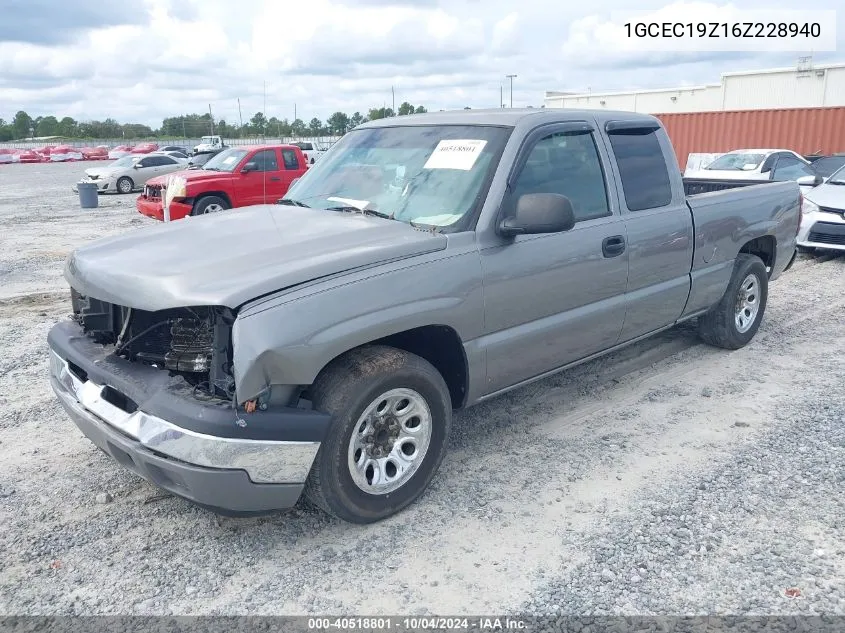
(263,141)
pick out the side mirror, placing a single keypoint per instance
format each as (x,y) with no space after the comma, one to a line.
(250,166)
(810,181)
(136,166)
(537,213)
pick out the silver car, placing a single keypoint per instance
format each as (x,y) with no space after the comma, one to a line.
(129,173)
(823,217)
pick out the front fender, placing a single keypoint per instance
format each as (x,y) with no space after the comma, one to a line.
(288,340)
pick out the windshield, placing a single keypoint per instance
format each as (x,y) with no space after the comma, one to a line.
(201,159)
(126,161)
(226,160)
(429,175)
(207,139)
(838,177)
(736,162)
(825,167)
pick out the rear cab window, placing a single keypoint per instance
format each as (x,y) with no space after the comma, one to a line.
(642,165)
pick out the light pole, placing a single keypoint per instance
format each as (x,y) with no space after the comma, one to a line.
(511,78)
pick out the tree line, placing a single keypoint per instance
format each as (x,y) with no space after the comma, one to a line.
(23,126)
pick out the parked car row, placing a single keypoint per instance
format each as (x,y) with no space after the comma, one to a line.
(53,154)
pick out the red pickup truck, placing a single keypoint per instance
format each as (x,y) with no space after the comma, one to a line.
(236,177)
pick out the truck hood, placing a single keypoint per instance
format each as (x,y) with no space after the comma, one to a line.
(192,176)
(229,258)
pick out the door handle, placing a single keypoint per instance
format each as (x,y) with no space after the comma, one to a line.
(613,246)
(275,179)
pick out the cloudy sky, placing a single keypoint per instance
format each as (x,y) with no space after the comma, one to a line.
(141,60)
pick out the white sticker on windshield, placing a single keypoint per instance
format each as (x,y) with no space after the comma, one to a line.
(359,204)
(455,154)
(229,160)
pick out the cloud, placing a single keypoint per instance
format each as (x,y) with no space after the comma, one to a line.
(167,57)
(51,22)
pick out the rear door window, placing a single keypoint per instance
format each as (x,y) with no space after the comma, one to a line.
(289,158)
(642,168)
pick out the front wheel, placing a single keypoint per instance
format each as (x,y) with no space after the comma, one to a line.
(209,204)
(734,321)
(125,185)
(391,413)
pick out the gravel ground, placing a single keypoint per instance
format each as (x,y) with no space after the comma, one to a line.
(668,478)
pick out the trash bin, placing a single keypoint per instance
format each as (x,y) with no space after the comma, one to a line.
(87,194)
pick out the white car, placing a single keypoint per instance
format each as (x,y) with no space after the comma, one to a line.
(760,164)
(823,216)
(129,173)
(311,151)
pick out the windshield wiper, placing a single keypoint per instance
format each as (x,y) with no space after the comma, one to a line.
(379,214)
(292,203)
(352,209)
(835,182)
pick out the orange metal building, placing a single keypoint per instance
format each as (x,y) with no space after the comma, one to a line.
(804,130)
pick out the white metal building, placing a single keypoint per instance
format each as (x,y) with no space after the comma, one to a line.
(804,86)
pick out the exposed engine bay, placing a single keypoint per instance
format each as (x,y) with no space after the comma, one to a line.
(192,342)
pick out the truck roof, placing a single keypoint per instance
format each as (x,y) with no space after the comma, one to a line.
(508,117)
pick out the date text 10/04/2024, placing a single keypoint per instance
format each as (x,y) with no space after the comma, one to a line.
(416,624)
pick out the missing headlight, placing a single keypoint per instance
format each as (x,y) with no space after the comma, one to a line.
(191,345)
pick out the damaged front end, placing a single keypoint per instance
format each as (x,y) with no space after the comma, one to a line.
(155,391)
(191,342)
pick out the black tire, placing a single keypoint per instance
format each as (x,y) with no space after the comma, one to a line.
(124,184)
(805,250)
(345,389)
(719,326)
(208,204)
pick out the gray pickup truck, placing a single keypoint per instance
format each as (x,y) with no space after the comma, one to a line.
(425,264)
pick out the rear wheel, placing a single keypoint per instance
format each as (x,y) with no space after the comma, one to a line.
(209,204)
(391,414)
(734,321)
(125,185)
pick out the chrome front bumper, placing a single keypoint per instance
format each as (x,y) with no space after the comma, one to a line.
(229,474)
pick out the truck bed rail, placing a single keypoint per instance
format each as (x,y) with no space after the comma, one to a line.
(695,186)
